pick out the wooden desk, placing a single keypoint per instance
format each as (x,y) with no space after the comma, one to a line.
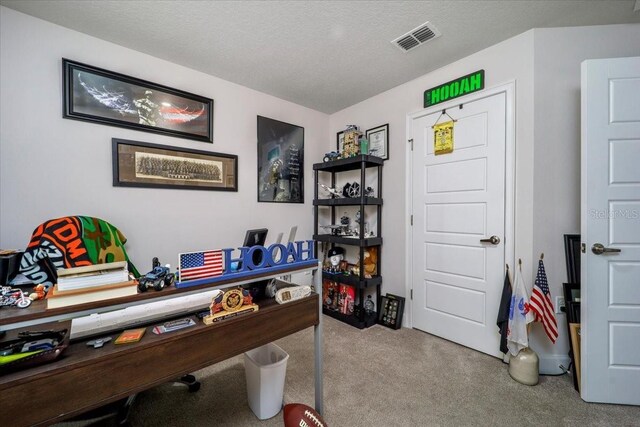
(85,378)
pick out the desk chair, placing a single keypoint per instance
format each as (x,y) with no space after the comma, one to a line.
(117,413)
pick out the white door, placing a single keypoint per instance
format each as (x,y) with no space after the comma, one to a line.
(458,200)
(611,222)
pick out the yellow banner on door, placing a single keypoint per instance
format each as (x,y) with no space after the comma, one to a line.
(443,138)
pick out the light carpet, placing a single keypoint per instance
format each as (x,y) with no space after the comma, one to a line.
(382,377)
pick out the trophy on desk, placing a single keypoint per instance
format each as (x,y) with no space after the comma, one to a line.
(230,303)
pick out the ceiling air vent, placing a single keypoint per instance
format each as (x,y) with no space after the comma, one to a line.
(416,37)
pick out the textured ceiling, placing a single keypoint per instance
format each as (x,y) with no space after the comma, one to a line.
(326,55)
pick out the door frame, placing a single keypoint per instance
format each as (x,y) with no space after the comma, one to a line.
(509,89)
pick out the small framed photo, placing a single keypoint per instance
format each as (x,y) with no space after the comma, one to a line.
(391,310)
(340,141)
(140,164)
(378,138)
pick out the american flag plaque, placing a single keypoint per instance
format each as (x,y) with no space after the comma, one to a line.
(200,265)
(230,303)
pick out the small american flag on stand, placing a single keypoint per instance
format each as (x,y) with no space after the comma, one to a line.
(541,305)
(198,265)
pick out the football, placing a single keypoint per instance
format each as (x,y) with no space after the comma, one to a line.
(299,415)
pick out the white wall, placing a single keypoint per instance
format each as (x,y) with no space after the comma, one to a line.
(51,167)
(545,65)
(511,60)
(558,53)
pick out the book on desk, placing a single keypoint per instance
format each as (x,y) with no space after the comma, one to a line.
(89,276)
(57,298)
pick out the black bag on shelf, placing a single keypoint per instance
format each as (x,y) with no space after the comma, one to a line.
(11,349)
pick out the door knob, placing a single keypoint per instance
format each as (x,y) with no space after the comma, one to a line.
(494,240)
(599,249)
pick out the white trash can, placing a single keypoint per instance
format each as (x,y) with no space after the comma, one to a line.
(265,369)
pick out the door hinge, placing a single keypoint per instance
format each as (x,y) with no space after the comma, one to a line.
(411,219)
(411,142)
(583,248)
(411,294)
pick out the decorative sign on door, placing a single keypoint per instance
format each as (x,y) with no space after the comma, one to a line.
(443,138)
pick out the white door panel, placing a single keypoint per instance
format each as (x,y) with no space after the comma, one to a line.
(624,108)
(623,161)
(447,299)
(456,176)
(611,216)
(459,218)
(446,259)
(623,285)
(458,199)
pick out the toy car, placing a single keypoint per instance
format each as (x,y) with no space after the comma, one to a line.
(13,296)
(158,279)
(332,155)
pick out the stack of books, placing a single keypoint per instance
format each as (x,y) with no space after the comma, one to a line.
(91,283)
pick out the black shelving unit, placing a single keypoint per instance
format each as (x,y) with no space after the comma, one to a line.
(360,319)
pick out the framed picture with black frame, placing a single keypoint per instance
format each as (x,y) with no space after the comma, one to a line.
(378,138)
(141,164)
(572,251)
(340,141)
(571,293)
(97,95)
(391,310)
(280,161)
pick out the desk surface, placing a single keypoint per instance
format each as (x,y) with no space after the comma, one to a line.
(38,309)
(85,378)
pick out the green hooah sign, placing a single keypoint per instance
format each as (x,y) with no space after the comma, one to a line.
(455,88)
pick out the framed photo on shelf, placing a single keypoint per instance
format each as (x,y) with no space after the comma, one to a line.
(391,309)
(340,141)
(280,161)
(140,164)
(100,96)
(378,138)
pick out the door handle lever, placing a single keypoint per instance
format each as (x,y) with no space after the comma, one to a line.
(599,249)
(494,240)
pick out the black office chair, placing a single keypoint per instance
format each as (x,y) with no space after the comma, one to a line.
(117,413)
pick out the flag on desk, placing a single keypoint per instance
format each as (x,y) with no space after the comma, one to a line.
(198,265)
(541,304)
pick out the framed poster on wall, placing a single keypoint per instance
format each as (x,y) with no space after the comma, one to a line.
(140,164)
(280,161)
(378,138)
(96,95)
